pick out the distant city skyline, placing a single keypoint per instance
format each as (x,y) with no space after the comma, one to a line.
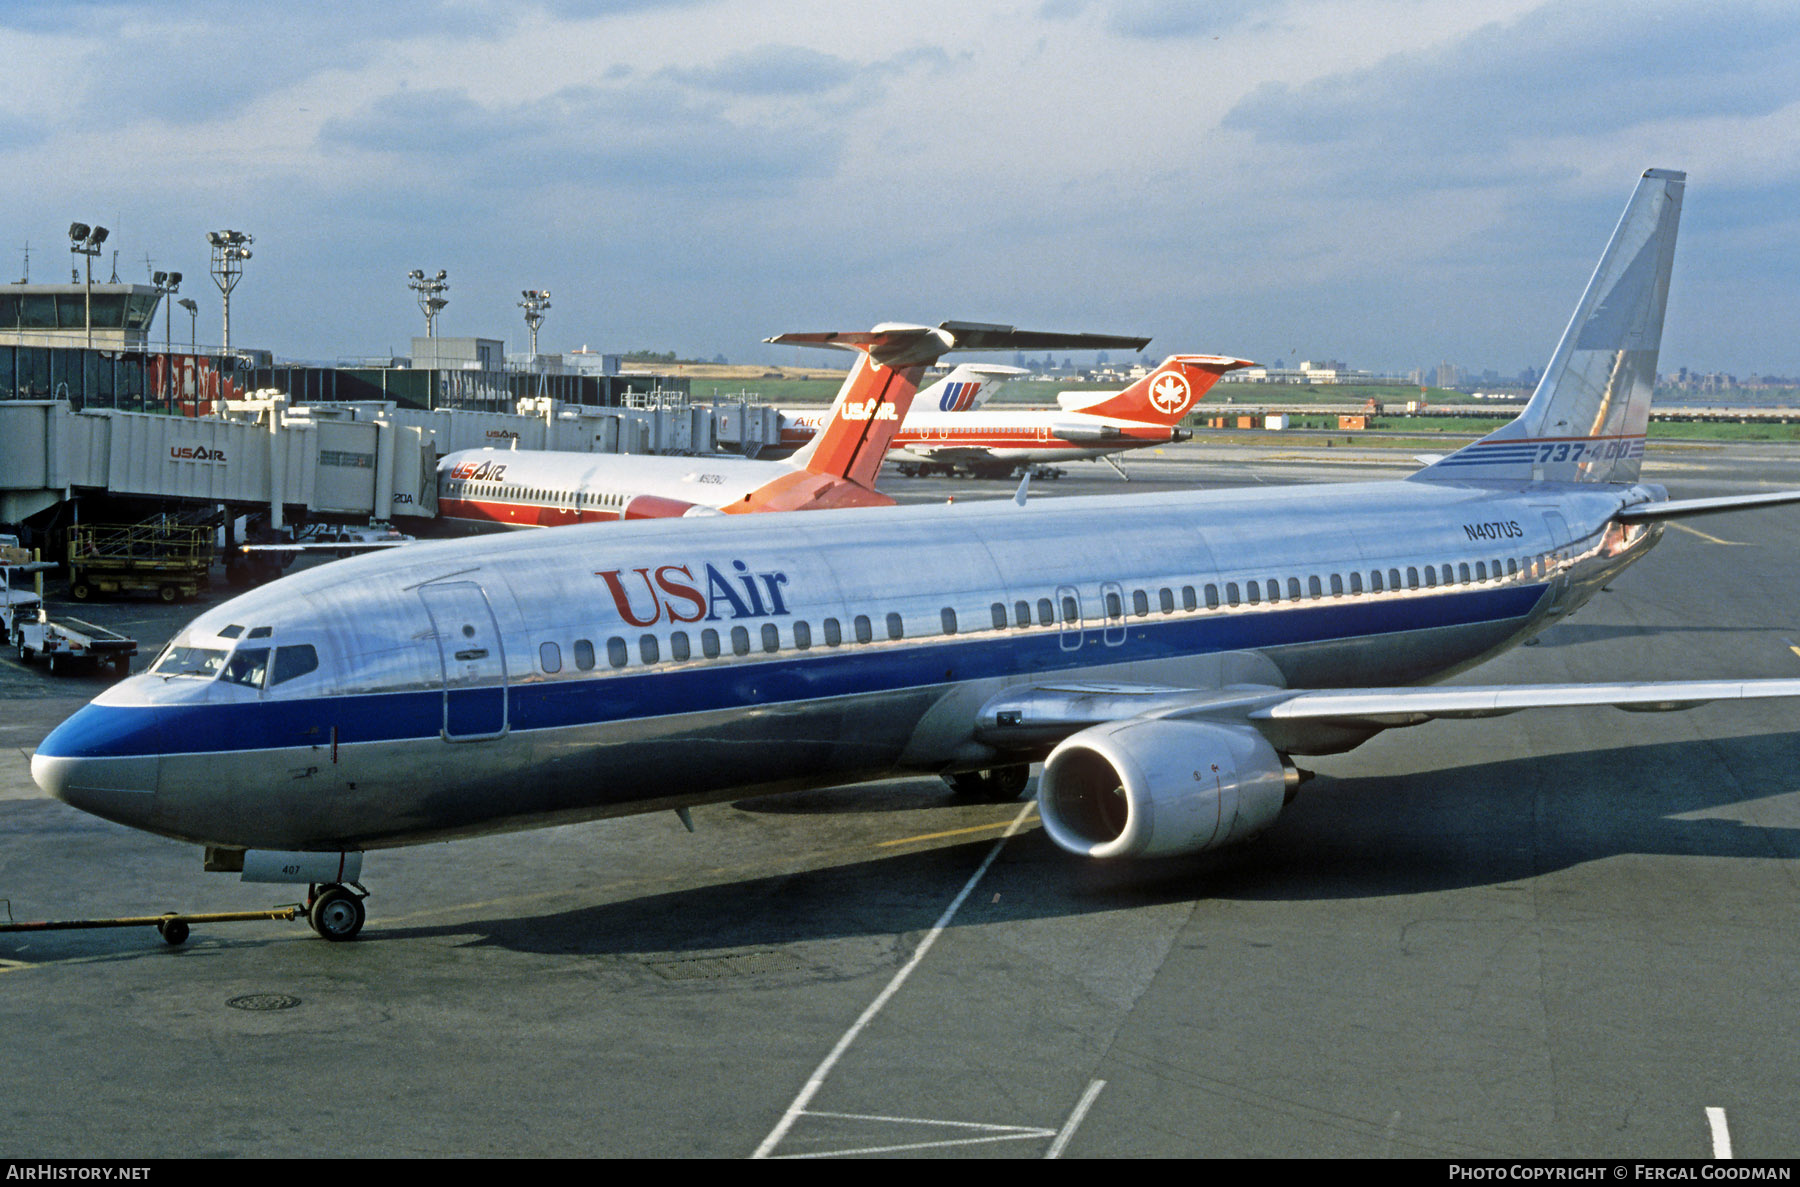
(1372,180)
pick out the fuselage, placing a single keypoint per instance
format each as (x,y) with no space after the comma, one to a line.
(461,687)
(1018,436)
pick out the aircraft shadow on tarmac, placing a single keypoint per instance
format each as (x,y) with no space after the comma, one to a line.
(1343,839)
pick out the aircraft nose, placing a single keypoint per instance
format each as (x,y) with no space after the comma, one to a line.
(104,760)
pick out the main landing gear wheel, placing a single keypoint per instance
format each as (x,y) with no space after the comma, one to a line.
(996,785)
(335,912)
(173,931)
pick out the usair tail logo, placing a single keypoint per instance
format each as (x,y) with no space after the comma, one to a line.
(875,409)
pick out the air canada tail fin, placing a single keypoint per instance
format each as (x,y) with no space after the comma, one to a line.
(1586,421)
(1166,394)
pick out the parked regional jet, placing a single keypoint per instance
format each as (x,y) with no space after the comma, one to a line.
(486,489)
(1167,655)
(992,442)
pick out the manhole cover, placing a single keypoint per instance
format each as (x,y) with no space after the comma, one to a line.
(264,1001)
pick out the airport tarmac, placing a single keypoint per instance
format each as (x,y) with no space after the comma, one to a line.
(1557,934)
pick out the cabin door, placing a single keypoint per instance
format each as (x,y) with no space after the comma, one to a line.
(472,660)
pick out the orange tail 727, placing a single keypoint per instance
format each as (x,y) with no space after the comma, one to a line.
(1166,394)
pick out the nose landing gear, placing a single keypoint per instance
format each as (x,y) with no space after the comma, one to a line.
(334,910)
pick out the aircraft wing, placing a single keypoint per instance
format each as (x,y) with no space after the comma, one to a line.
(341,546)
(1316,720)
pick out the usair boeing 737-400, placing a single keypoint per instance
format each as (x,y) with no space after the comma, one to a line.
(1166,655)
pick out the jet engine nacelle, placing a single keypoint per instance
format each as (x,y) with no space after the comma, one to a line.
(1158,788)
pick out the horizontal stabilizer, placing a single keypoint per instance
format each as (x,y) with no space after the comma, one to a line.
(895,344)
(1686,508)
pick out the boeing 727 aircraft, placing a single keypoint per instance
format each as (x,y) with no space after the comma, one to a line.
(991,442)
(1167,655)
(968,387)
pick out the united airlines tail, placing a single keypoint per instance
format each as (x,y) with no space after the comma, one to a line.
(968,387)
(1586,421)
(1165,395)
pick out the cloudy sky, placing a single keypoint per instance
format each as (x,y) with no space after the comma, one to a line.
(1388,182)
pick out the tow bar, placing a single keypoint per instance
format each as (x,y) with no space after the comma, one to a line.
(171,925)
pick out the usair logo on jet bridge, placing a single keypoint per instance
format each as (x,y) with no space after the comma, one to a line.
(1170,393)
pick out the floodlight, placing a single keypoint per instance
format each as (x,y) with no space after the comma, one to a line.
(78,231)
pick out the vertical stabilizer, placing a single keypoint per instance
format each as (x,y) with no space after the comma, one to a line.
(1165,395)
(1586,421)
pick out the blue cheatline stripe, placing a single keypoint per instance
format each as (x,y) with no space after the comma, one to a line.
(117,731)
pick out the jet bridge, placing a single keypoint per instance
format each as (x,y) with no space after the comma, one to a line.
(340,461)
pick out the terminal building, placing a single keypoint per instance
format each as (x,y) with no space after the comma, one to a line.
(99,420)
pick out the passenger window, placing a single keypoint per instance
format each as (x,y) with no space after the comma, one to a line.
(1188,601)
(834,634)
(1412,577)
(1462,572)
(894,629)
(1337,585)
(1212,597)
(584,655)
(947,617)
(1375,585)
(1071,609)
(802,636)
(1231,593)
(1021,613)
(1165,598)
(709,643)
(1046,612)
(616,655)
(1115,608)
(648,649)
(1253,591)
(999,613)
(740,640)
(864,632)
(247,666)
(1140,602)
(1512,567)
(1274,590)
(678,647)
(1293,589)
(1355,583)
(771,637)
(1314,588)
(292,663)
(550,657)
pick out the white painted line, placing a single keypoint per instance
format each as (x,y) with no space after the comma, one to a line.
(1081,1109)
(1037,1135)
(1721,1136)
(817,1080)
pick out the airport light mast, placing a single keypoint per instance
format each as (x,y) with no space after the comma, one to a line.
(534,304)
(167,284)
(85,241)
(431,300)
(188,304)
(229,251)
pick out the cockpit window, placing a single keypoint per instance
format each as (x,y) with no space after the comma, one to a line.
(231,632)
(260,632)
(203,662)
(247,666)
(291,662)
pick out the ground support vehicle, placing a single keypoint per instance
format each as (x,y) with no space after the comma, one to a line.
(68,642)
(171,560)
